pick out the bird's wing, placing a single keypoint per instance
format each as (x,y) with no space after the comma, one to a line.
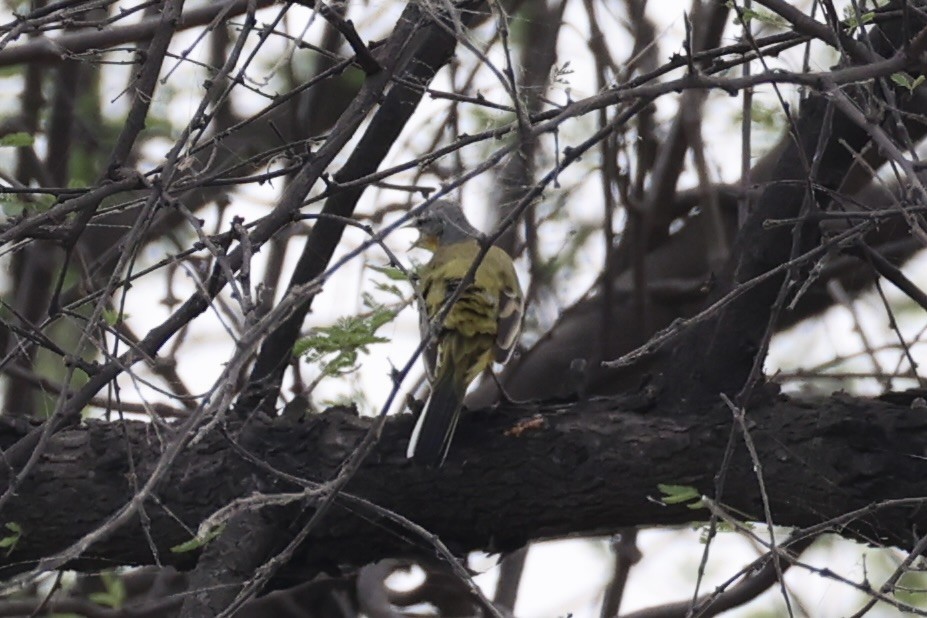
(430,353)
(511,308)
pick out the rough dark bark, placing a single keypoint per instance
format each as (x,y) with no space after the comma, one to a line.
(513,475)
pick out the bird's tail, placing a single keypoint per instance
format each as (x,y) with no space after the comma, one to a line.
(435,427)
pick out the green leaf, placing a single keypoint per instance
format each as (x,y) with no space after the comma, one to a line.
(197,541)
(187,546)
(113,316)
(745,16)
(17,139)
(10,541)
(15,205)
(391,272)
(12,206)
(337,347)
(850,20)
(720,527)
(906,81)
(901,78)
(389,289)
(679,494)
(114,595)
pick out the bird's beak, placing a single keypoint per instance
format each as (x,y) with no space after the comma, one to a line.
(422,242)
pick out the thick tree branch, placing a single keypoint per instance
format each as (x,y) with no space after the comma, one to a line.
(515,475)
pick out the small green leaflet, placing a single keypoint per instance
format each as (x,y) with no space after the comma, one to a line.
(720,527)
(15,205)
(115,594)
(681,494)
(17,139)
(852,23)
(389,289)
(10,541)
(113,316)
(391,272)
(197,541)
(769,18)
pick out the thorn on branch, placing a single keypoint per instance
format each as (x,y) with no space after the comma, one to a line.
(687,43)
(330,183)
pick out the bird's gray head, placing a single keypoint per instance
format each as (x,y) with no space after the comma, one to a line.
(443,222)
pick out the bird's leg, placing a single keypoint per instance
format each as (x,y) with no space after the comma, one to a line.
(504,396)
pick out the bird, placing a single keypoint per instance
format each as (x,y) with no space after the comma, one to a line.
(480,327)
